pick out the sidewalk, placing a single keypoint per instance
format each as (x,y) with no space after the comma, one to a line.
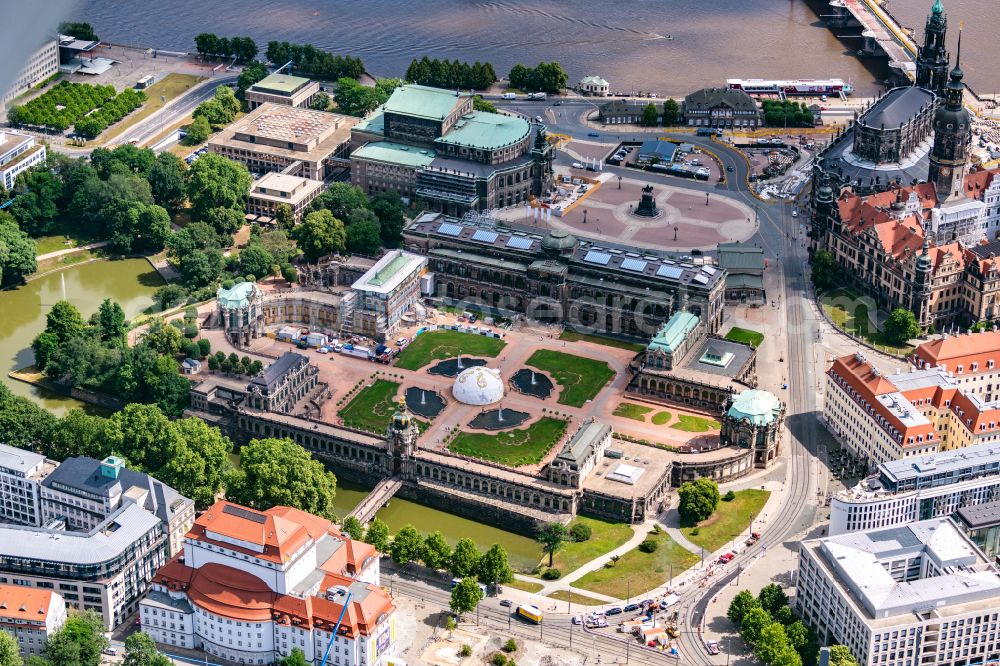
(70,250)
(639,533)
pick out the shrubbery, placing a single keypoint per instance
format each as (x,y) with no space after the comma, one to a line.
(648,546)
(551,574)
(580,532)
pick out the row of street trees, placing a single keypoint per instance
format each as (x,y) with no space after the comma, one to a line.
(449,74)
(651,116)
(208,44)
(307,60)
(547,77)
(770,627)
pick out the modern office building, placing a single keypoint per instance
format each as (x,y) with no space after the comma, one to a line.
(981,523)
(931,486)
(21,474)
(913,595)
(30,615)
(275,189)
(42,64)
(282,89)
(253,585)
(287,139)
(18,153)
(106,569)
(430,143)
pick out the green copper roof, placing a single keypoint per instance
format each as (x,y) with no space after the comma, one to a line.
(673,332)
(424,101)
(757,406)
(373,124)
(384,274)
(237,297)
(394,153)
(486,131)
(283,83)
(938,7)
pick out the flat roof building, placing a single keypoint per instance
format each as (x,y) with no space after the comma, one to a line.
(42,64)
(283,89)
(21,474)
(901,596)
(18,153)
(386,292)
(981,523)
(287,139)
(30,615)
(274,189)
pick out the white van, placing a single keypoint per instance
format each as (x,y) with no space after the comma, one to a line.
(508,96)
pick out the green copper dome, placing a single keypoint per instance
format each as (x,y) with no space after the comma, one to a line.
(757,406)
(558,240)
(938,7)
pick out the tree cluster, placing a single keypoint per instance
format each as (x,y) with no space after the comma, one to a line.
(280,472)
(234,365)
(787,113)
(220,110)
(451,75)
(78,29)
(243,49)
(252,73)
(825,273)
(308,60)
(545,77)
(771,629)
(901,326)
(68,103)
(79,642)
(343,218)
(355,99)
(698,500)
(671,112)
(17,251)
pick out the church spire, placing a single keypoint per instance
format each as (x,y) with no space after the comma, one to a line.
(949,160)
(932,57)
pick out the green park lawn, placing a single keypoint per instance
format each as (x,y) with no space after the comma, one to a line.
(604,538)
(745,335)
(729,520)
(689,423)
(573,336)
(524,585)
(580,378)
(442,344)
(372,408)
(849,313)
(632,411)
(636,572)
(661,418)
(575,597)
(526,446)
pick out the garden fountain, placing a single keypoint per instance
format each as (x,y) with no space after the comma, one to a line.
(532,383)
(422,402)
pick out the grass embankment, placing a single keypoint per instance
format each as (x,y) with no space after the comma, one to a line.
(573,336)
(170,86)
(636,572)
(604,537)
(513,448)
(746,336)
(523,585)
(575,598)
(729,520)
(580,378)
(442,344)
(849,312)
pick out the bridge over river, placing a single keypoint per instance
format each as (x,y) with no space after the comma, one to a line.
(881,33)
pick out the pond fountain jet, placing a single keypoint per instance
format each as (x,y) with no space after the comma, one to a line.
(62,282)
(534,381)
(500,415)
(459,361)
(423,397)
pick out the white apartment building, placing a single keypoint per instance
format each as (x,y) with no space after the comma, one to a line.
(21,473)
(18,153)
(253,585)
(913,595)
(106,569)
(30,615)
(42,64)
(931,486)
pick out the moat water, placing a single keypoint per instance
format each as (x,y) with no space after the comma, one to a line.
(665,46)
(130,282)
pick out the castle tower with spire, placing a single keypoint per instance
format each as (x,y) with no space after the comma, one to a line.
(932,58)
(949,160)
(922,287)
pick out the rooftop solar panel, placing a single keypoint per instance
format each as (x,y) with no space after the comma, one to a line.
(485,236)
(595,257)
(670,272)
(631,264)
(244,513)
(519,243)
(449,229)
(708,269)
(701,279)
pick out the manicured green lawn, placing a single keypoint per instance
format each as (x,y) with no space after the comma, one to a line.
(513,448)
(46,244)
(573,336)
(752,338)
(729,520)
(523,585)
(581,378)
(604,538)
(637,572)
(632,411)
(689,423)
(849,313)
(438,345)
(661,418)
(372,408)
(575,597)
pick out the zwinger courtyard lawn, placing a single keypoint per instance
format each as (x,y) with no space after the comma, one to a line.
(580,378)
(636,573)
(573,336)
(690,423)
(513,448)
(442,344)
(729,520)
(372,408)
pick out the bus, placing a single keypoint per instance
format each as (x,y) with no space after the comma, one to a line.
(456,581)
(530,613)
(144,82)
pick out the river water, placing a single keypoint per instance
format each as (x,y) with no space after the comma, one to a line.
(667,46)
(130,282)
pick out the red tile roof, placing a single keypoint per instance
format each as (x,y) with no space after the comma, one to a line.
(964,350)
(29,604)
(281,531)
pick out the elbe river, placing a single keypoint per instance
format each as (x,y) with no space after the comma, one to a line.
(666,46)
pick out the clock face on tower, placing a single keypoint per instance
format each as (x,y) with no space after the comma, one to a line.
(946,171)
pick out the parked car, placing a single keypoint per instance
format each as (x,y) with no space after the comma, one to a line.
(631,607)
(322,350)
(712,647)
(613,611)
(402,342)
(577,165)
(506,603)
(577,619)
(593,134)
(110,651)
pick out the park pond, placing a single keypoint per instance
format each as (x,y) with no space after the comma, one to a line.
(130,282)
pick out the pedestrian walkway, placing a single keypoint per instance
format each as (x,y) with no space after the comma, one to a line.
(639,533)
(70,250)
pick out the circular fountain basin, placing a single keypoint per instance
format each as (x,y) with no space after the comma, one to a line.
(499,419)
(423,402)
(450,367)
(532,383)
